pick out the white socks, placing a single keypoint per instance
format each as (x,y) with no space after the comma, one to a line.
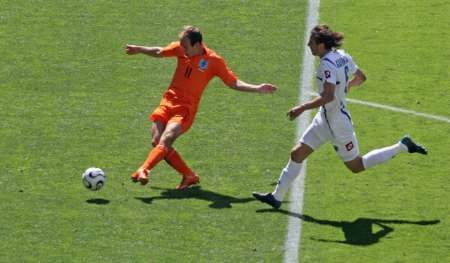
(292,169)
(287,176)
(378,156)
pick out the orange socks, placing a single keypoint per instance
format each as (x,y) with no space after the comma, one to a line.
(154,157)
(174,159)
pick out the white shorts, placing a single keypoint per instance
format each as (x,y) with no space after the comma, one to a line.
(335,127)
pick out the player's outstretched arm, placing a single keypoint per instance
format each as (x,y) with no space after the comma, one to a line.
(261,88)
(357,80)
(151,51)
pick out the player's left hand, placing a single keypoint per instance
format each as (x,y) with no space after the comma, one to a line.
(267,88)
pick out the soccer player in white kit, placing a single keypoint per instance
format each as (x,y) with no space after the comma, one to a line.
(333,122)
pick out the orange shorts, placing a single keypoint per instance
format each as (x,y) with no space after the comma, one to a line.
(179,114)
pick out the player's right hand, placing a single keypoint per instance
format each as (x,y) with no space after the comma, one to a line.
(295,112)
(132,49)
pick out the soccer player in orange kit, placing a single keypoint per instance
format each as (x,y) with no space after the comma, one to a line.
(196,66)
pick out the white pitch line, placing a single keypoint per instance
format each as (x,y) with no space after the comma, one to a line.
(395,109)
(292,243)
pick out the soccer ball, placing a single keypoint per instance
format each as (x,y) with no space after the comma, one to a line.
(93,178)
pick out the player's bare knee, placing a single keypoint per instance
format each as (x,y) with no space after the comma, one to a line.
(356,170)
(296,156)
(355,167)
(300,152)
(167,139)
(155,140)
(166,143)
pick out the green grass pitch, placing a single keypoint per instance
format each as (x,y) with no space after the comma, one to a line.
(70,98)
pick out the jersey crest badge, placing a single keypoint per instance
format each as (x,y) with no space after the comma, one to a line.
(349,146)
(327,74)
(203,64)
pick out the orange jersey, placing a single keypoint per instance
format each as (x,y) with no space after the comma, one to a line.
(192,75)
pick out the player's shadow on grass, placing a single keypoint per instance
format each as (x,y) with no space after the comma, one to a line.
(359,232)
(98,201)
(196,192)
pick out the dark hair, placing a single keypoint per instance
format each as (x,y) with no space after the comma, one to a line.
(193,33)
(324,34)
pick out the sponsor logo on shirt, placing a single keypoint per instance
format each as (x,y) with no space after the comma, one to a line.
(203,64)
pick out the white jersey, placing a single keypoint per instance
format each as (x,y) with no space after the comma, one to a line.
(335,68)
(333,122)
